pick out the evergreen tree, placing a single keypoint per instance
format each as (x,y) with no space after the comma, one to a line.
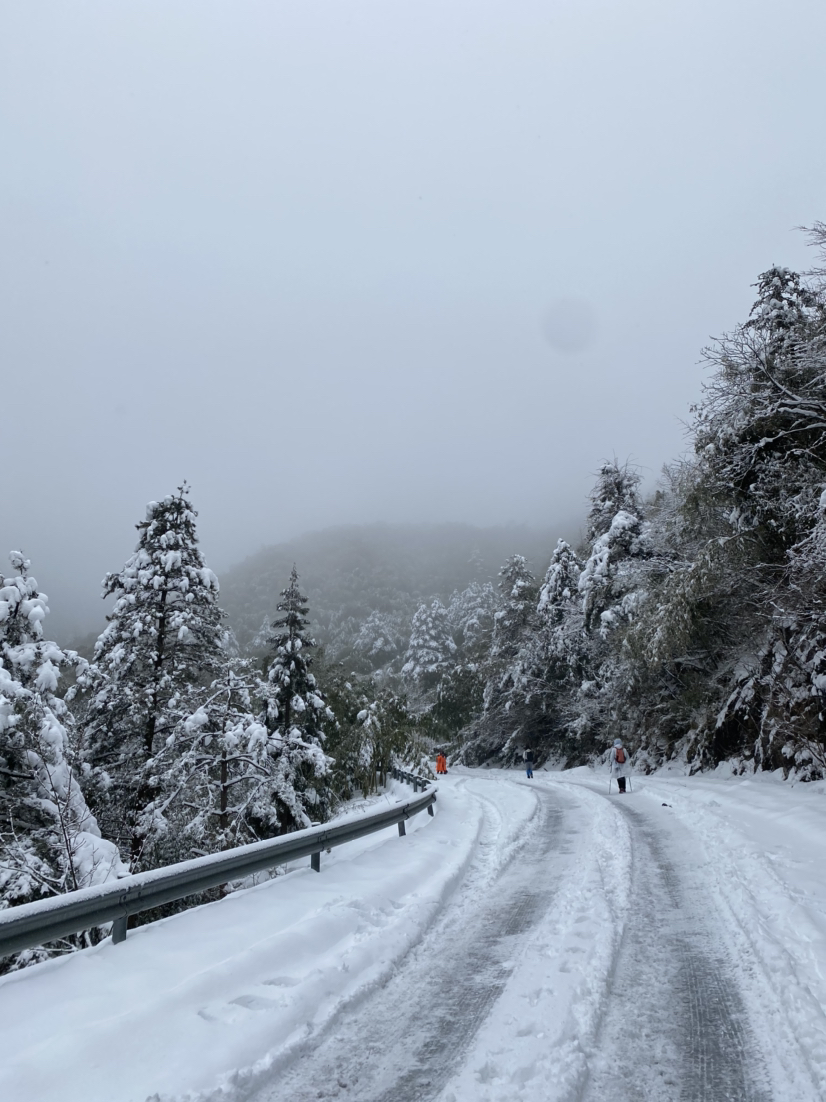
(759,433)
(760,446)
(373,730)
(380,639)
(503,673)
(608,579)
(514,616)
(470,614)
(163,643)
(615,491)
(296,715)
(431,650)
(222,765)
(556,659)
(49,840)
(560,588)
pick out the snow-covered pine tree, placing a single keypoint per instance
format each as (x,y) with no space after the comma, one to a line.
(224,766)
(296,716)
(608,580)
(560,588)
(556,655)
(516,609)
(614,537)
(470,614)
(455,690)
(49,840)
(503,670)
(430,653)
(380,640)
(615,491)
(759,431)
(163,643)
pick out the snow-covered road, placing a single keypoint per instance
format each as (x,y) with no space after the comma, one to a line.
(675,1023)
(532,941)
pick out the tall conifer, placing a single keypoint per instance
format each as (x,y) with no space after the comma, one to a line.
(49,840)
(163,642)
(296,715)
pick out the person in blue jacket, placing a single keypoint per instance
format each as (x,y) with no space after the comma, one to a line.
(527,754)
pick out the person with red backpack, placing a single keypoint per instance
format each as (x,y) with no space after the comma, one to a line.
(618,759)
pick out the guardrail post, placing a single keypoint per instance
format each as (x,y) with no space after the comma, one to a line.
(119,930)
(415,784)
(315,861)
(402,830)
(430,809)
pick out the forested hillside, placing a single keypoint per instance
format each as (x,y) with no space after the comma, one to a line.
(692,622)
(350,573)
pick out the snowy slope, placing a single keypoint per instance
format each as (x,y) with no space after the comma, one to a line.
(529,942)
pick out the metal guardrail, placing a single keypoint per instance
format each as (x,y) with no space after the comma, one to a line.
(47,919)
(411,778)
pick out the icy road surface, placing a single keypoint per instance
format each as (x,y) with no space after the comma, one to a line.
(535,940)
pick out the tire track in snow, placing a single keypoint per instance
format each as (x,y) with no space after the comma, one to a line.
(675,1027)
(403,1044)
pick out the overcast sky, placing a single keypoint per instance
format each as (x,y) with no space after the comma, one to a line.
(349,261)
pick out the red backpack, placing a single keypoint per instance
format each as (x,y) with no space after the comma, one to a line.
(620,756)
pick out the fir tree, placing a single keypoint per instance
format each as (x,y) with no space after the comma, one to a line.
(615,491)
(296,715)
(560,587)
(431,648)
(380,639)
(235,780)
(759,432)
(164,641)
(515,612)
(502,672)
(470,614)
(49,840)
(606,580)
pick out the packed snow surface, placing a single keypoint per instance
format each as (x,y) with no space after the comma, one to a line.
(534,940)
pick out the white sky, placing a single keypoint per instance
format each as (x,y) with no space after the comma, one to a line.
(308,255)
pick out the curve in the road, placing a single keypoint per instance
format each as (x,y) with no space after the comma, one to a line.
(673,1028)
(405,1042)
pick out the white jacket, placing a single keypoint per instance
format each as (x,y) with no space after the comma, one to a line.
(617,769)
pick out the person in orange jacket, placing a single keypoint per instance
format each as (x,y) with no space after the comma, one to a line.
(441,763)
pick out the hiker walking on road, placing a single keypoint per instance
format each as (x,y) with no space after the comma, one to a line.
(441,763)
(618,759)
(527,754)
